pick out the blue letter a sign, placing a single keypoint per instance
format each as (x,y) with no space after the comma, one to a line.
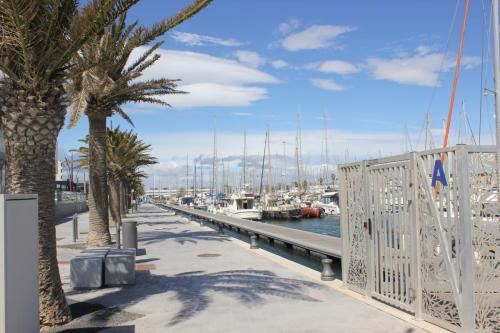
(438,174)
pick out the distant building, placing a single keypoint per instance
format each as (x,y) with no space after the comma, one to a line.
(59,171)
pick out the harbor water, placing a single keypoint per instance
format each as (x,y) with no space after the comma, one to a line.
(327,225)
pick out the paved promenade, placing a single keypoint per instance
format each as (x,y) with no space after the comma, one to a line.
(191,279)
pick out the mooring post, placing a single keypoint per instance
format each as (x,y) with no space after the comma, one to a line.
(75,227)
(327,274)
(253,241)
(271,241)
(221,229)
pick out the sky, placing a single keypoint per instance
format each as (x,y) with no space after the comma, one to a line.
(374,68)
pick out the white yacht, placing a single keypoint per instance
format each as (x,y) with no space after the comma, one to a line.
(329,203)
(243,206)
(186,201)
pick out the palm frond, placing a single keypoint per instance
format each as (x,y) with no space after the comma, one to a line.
(161,28)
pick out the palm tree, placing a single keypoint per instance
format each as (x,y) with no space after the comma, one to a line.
(103,81)
(126,155)
(38,39)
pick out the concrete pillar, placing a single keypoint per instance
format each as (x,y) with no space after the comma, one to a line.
(327,274)
(253,242)
(130,234)
(19,263)
(75,227)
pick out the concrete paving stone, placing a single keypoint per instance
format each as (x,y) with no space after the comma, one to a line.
(86,271)
(238,290)
(119,267)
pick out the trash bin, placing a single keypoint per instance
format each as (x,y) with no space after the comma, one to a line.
(129,235)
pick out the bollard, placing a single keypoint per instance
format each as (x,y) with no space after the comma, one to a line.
(118,235)
(327,274)
(130,235)
(221,230)
(253,241)
(75,227)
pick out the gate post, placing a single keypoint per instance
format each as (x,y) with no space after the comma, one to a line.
(368,215)
(415,235)
(465,242)
(344,227)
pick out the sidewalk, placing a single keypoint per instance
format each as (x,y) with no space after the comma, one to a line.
(190,279)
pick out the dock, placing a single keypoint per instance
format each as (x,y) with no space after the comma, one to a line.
(329,246)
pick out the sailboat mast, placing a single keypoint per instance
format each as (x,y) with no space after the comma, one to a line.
(298,152)
(154,184)
(213,188)
(187,173)
(496,63)
(244,158)
(426,129)
(283,173)
(262,167)
(194,181)
(325,144)
(269,167)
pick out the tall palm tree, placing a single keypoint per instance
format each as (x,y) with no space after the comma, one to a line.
(126,155)
(104,81)
(38,39)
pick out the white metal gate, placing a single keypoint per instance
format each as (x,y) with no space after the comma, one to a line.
(431,251)
(389,228)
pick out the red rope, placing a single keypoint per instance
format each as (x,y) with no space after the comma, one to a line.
(455,81)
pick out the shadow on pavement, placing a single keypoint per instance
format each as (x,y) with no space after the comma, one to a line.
(186,236)
(194,289)
(116,329)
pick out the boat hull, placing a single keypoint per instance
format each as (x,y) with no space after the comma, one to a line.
(310,212)
(283,214)
(329,209)
(248,214)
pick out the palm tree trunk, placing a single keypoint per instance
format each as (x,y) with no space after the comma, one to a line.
(98,195)
(114,204)
(31,125)
(123,201)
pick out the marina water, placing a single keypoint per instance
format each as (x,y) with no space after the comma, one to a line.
(327,225)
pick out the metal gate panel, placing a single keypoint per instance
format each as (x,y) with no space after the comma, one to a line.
(355,240)
(390,234)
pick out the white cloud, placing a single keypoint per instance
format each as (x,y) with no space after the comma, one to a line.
(420,69)
(213,94)
(423,49)
(334,66)
(327,84)
(250,58)
(242,114)
(210,81)
(200,143)
(198,40)
(255,60)
(289,26)
(279,64)
(314,37)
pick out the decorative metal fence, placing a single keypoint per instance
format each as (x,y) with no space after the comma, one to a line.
(429,249)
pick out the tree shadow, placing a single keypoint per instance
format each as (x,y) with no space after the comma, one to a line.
(163,223)
(186,236)
(151,215)
(193,289)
